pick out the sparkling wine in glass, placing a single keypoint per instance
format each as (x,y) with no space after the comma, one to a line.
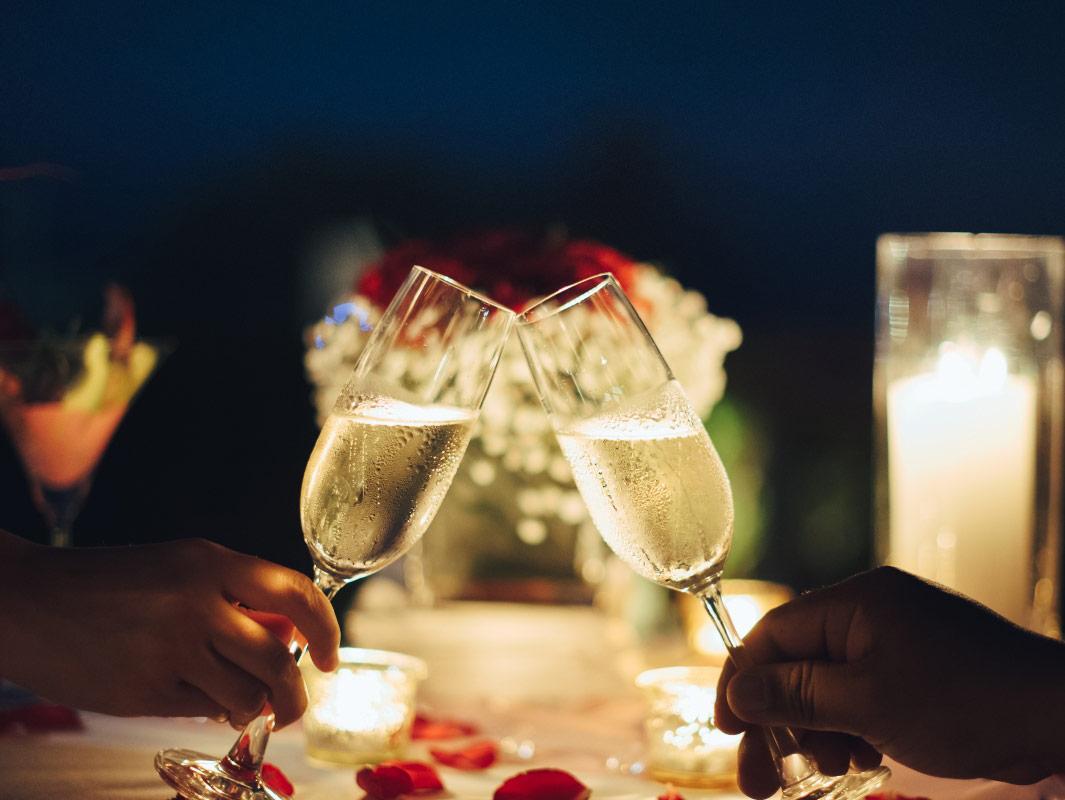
(382,464)
(649,474)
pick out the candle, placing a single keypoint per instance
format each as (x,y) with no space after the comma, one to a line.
(683,746)
(362,712)
(961,467)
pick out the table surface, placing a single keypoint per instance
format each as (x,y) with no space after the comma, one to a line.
(112,759)
(551,677)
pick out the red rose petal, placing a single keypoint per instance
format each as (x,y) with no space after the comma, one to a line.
(273,777)
(41,718)
(542,784)
(479,755)
(384,781)
(670,794)
(422,775)
(426,728)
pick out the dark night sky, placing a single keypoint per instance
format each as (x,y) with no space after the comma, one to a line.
(756,152)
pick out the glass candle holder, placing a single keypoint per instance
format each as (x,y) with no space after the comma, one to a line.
(968,401)
(363,712)
(683,746)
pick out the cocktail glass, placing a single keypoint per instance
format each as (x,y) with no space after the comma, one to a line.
(61,401)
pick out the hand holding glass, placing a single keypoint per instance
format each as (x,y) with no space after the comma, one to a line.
(382,464)
(653,483)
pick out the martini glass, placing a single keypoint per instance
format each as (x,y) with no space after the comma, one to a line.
(61,401)
(383,462)
(649,474)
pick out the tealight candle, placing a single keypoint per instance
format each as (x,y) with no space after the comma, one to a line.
(363,712)
(683,746)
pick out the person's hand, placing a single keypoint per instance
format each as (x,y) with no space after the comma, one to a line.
(156,630)
(885,663)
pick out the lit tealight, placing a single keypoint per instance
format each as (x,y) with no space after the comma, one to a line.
(683,746)
(362,712)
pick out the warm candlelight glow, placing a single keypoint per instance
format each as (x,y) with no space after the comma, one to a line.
(683,746)
(961,449)
(362,712)
(968,402)
(746,601)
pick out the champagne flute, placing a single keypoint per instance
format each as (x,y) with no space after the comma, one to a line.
(648,472)
(378,472)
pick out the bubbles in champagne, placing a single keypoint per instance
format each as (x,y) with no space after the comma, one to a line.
(375,479)
(655,487)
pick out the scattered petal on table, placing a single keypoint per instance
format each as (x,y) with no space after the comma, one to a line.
(479,755)
(384,782)
(277,780)
(428,728)
(40,718)
(394,778)
(670,793)
(542,784)
(423,775)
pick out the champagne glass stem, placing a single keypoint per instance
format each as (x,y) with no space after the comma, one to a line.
(245,757)
(793,768)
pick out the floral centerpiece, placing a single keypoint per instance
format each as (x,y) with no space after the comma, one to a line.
(513,514)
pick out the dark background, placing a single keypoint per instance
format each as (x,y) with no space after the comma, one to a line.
(755,152)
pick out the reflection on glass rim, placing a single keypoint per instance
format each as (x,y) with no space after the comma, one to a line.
(488,301)
(600,280)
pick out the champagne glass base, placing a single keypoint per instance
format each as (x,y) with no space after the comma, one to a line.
(196,776)
(852,786)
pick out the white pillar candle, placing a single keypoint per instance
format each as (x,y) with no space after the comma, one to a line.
(961,467)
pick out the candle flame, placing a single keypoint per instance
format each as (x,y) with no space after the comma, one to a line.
(960,375)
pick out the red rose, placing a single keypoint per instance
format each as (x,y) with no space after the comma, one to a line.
(510,265)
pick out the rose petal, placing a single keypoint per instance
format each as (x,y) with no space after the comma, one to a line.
(542,784)
(422,775)
(273,777)
(670,794)
(41,718)
(426,728)
(384,781)
(479,755)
